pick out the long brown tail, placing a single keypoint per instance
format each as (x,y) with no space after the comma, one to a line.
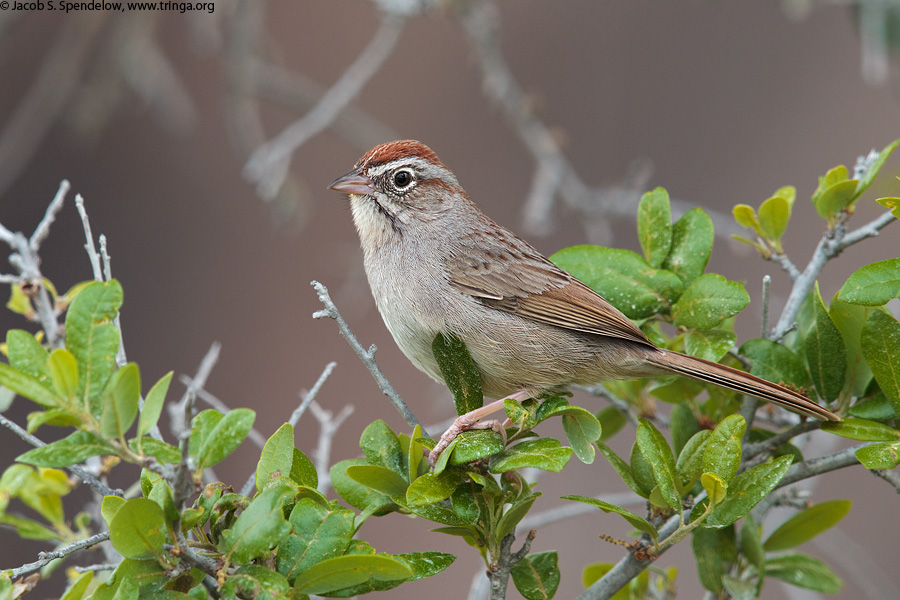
(739,381)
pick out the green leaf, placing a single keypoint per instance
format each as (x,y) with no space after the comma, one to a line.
(67,451)
(79,587)
(747,489)
(63,371)
(623,277)
(414,455)
(611,421)
(319,533)
(225,437)
(92,337)
(27,355)
(472,445)
(537,575)
(892,204)
(277,456)
(706,545)
(109,507)
(689,465)
(880,342)
(692,243)
(775,362)
(459,372)
(303,471)
(876,408)
(716,487)
(256,581)
(708,301)
(850,319)
(544,453)
(138,530)
(862,430)
(683,425)
(382,448)
(835,192)
(153,405)
(639,523)
(514,514)
(874,284)
(120,402)
(879,456)
(657,452)
(745,216)
(623,469)
(27,386)
(201,426)
(654,226)
(380,479)
(775,213)
(162,495)
(356,494)
(710,344)
(807,524)
(751,544)
(582,429)
(723,450)
(804,571)
(825,351)
(260,527)
(425,564)
(162,451)
(641,469)
(351,570)
(869,176)
(430,488)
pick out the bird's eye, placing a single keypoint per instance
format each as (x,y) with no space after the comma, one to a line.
(402,179)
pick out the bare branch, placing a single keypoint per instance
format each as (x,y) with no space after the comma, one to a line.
(782,260)
(366,356)
(751,450)
(45,558)
(258,439)
(268,165)
(329,424)
(43,228)
(889,475)
(178,418)
(311,394)
(89,239)
(76,470)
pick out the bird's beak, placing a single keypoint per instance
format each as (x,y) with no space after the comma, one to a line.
(353,182)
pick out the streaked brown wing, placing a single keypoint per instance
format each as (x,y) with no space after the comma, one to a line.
(512,276)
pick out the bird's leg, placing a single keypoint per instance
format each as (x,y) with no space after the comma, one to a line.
(472,420)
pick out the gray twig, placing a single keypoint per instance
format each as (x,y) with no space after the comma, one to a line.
(499,570)
(76,470)
(268,165)
(89,239)
(889,475)
(45,558)
(329,423)
(781,259)
(99,567)
(753,449)
(309,396)
(43,228)
(366,356)
(178,418)
(255,436)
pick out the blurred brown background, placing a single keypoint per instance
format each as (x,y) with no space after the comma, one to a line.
(150,118)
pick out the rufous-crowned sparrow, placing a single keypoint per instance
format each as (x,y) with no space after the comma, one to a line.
(437,264)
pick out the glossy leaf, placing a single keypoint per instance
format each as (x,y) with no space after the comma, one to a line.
(654,226)
(708,554)
(751,544)
(849,320)
(807,524)
(611,421)
(380,479)
(153,405)
(775,213)
(544,453)
(723,450)
(472,445)
(716,487)
(430,488)
(656,451)
(459,372)
(775,362)
(79,587)
(689,465)
(623,277)
(641,469)
(537,575)
(27,386)
(708,301)
(623,469)
(804,571)
(515,513)
(880,342)
(692,242)
(582,429)
(826,354)
(745,216)
(874,284)
(120,402)
(92,337)
(63,371)
(354,493)
(303,471)
(318,533)
(879,456)
(862,430)
(711,344)
(67,451)
(255,581)
(639,523)
(27,355)
(746,490)
(277,456)
(260,527)
(351,570)
(109,507)
(225,437)
(381,447)
(683,426)
(138,530)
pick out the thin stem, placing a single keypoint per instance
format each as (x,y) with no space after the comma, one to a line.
(43,228)
(309,396)
(366,356)
(45,558)
(89,239)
